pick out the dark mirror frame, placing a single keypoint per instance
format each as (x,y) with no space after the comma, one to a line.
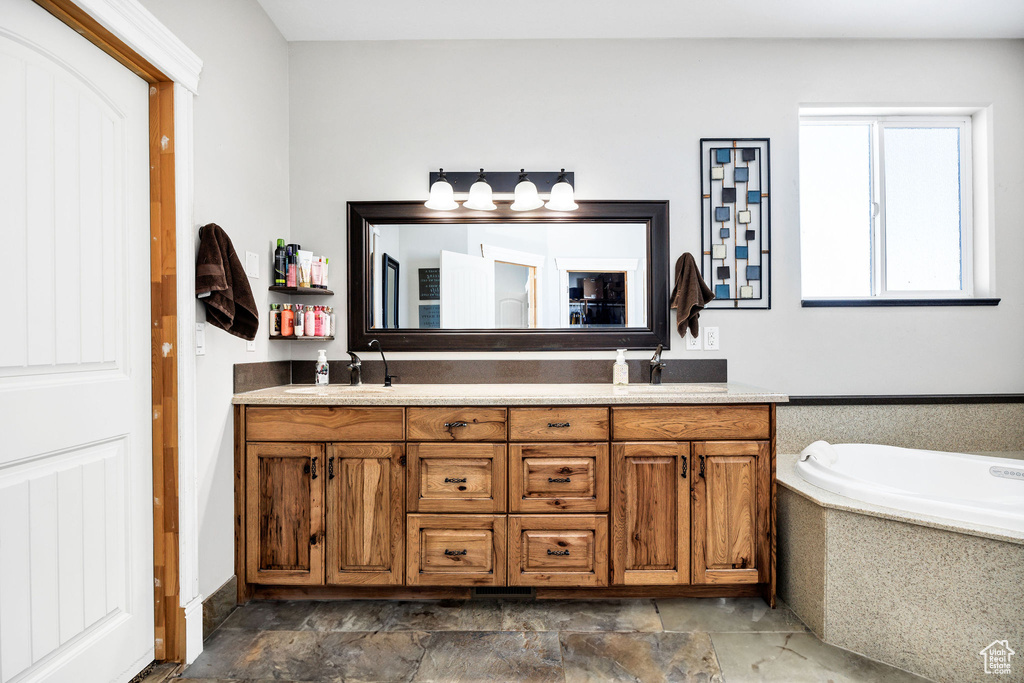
(389,264)
(362,216)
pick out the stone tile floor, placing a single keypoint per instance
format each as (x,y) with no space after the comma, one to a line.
(688,639)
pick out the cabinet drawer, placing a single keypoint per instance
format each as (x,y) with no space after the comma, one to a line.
(463,477)
(457,424)
(691,422)
(558,550)
(558,477)
(558,424)
(324,423)
(455,550)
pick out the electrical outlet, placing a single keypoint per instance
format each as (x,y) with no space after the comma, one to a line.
(692,343)
(250,345)
(711,338)
(252,264)
(200,339)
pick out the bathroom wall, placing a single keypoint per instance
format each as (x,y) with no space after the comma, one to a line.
(241,183)
(370,119)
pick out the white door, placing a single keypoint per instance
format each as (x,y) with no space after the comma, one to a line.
(467,291)
(76,515)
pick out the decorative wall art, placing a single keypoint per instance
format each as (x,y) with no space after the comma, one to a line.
(736,221)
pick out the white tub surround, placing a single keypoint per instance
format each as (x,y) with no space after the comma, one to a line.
(919,591)
(507,394)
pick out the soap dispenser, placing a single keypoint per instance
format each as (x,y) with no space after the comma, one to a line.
(322,374)
(620,371)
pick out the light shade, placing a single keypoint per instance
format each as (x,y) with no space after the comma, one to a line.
(526,197)
(480,195)
(442,195)
(562,195)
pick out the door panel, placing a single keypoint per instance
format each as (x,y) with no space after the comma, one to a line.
(650,513)
(467,291)
(285,513)
(76,501)
(365,513)
(729,525)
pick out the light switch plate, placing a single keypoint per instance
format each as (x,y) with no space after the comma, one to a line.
(250,345)
(200,339)
(692,343)
(252,264)
(711,338)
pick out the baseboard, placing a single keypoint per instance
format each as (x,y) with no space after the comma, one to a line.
(219,606)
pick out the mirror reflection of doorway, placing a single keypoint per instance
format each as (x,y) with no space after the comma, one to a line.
(515,295)
(390,291)
(597,299)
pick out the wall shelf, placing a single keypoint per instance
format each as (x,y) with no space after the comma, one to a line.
(300,290)
(303,338)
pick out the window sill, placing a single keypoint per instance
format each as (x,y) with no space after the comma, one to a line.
(854,303)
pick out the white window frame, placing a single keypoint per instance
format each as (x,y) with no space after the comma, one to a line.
(879,288)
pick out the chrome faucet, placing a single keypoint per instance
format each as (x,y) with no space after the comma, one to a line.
(387,377)
(656,366)
(355,370)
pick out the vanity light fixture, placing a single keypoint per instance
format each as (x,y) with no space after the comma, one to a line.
(480,195)
(442,195)
(526,197)
(562,195)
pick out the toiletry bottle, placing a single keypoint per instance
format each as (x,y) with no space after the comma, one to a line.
(323,273)
(620,371)
(292,268)
(287,321)
(280,265)
(334,321)
(275,320)
(322,369)
(315,271)
(300,323)
(310,322)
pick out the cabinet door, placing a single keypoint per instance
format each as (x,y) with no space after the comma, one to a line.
(365,513)
(285,513)
(650,513)
(731,484)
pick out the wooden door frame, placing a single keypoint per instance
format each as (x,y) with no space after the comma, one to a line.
(165,54)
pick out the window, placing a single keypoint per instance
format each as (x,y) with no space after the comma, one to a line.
(885,207)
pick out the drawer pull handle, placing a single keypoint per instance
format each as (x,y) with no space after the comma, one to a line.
(456,552)
(559,425)
(564,553)
(684,467)
(330,467)
(701,466)
(455,480)
(559,480)
(314,467)
(452,425)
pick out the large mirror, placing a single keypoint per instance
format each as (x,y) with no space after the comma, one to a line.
(595,278)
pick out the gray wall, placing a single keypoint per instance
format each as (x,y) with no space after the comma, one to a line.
(370,119)
(241,183)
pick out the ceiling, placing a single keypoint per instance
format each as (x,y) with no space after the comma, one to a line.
(494,19)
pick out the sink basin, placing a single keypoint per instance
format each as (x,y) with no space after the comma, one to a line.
(680,387)
(338,389)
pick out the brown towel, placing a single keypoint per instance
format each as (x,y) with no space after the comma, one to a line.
(689,295)
(229,304)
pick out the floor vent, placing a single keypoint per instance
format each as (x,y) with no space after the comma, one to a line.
(504,592)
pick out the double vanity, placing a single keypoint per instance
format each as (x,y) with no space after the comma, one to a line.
(424,490)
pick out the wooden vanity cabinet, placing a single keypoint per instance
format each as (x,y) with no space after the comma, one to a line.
(617,500)
(285,513)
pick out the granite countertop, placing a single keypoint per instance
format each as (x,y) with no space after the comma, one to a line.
(506,394)
(787,475)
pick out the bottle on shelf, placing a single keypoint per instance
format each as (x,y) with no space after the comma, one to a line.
(280,265)
(287,321)
(275,320)
(310,322)
(300,324)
